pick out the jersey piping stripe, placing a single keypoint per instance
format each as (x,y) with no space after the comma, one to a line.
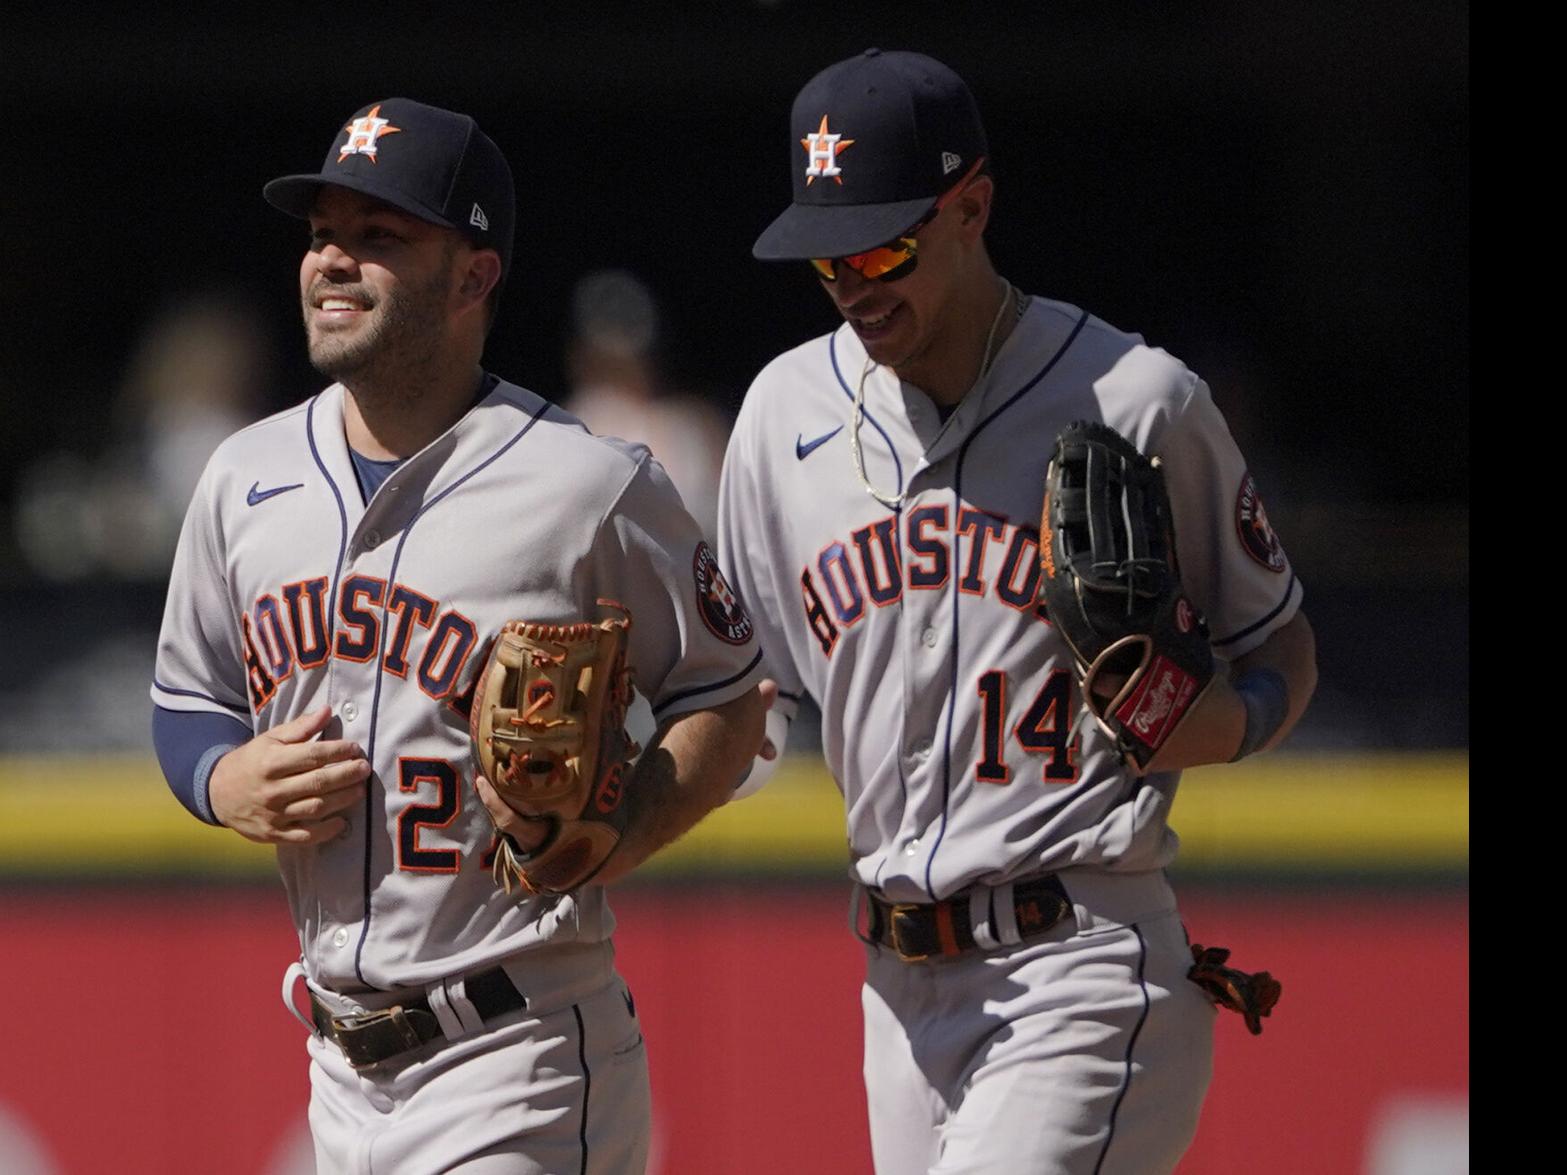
(957,499)
(342,521)
(587,1084)
(1026,388)
(190,693)
(1289,592)
(897,462)
(380,670)
(331,608)
(707,689)
(1126,1082)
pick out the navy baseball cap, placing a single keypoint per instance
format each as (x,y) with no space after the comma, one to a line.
(431,163)
(875,141)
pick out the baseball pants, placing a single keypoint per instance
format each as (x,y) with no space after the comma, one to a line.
(561,1093)
(1084,1051)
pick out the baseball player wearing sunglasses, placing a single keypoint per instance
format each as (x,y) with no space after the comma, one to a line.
(1030,1000)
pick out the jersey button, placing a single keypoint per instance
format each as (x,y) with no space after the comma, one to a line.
(350,711)
(340,937)
(929,637)
(371,540)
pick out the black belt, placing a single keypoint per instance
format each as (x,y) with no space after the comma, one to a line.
(917,930)
(368,1038)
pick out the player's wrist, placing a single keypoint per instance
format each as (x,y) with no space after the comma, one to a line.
(201,783)
(1265,695)
(216,787)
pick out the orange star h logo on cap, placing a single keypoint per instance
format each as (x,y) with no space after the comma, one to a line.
(821,152)
(363,132)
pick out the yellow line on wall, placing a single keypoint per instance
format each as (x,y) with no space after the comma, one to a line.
(113,814)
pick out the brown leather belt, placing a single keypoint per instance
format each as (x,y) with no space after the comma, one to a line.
(924,930)
(368,1038)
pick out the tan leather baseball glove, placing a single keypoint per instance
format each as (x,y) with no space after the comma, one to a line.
(548,731)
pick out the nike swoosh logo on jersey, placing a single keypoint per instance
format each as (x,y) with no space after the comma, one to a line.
(804,448)
(258,495)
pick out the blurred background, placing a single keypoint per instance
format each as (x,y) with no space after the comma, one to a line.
(1279,196)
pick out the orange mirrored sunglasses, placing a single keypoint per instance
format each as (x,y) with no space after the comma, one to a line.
(898,258)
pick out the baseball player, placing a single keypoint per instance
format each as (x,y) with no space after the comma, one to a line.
(343,566)
(1026,1001)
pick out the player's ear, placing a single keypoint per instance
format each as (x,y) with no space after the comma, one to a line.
(973,205)
(480,275)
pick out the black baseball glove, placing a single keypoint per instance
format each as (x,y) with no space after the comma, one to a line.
(1110,585)
(1253,995)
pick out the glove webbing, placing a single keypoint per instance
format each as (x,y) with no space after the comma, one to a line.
(1107,488)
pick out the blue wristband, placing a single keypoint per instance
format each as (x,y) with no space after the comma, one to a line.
(1267,701)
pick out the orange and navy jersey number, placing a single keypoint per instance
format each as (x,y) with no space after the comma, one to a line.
(280,634)
(1045,728)
(419,777)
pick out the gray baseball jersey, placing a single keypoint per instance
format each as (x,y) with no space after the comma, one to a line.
(952,724)
(289,591)
(950,717)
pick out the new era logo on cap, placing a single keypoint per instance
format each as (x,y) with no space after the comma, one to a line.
(950,162)
(477,217)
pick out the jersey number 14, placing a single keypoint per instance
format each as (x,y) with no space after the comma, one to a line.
(1046,728)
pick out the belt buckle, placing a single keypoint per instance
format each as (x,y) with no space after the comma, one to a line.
(904,908)
(364,1027)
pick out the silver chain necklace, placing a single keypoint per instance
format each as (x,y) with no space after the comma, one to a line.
(890,500)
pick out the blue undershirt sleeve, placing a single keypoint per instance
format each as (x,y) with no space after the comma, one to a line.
(189,744)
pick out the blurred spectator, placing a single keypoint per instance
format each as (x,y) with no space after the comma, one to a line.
(195,376)
(91,518)
(617,389)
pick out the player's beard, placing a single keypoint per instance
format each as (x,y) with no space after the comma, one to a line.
(391,351)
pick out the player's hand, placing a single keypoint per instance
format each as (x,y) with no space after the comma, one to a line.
(1210,733)
(529,832)
(285,786)
(768,688)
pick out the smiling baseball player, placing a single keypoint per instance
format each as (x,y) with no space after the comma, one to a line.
(1027,1002)
(343,568)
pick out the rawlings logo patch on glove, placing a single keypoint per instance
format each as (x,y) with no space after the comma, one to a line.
(548,732)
